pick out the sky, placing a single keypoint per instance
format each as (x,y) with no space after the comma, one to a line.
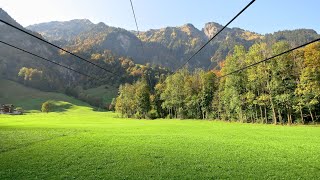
(264,16)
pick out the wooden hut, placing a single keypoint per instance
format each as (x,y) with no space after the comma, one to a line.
(8,109)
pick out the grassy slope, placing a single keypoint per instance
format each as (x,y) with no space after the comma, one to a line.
(29,98)
(106,93)
(83,144)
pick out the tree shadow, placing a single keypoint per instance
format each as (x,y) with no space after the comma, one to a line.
(60,107)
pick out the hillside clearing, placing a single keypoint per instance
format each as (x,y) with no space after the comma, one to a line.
(30,98)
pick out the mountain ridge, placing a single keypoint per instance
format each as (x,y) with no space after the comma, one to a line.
(168,46)
(67,29)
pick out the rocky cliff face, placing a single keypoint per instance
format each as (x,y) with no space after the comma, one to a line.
(211,28)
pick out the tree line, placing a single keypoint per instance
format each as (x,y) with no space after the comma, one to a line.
(284,90)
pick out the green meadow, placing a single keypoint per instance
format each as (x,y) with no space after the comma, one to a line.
(31,99)
(80,143)
(77,142)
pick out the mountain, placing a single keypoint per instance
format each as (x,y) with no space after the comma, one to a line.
(183,41)
(5,16)
(12,60)
(179,42)
(33,72)
(102,37)
(168,46)
(62,31)
(294,37)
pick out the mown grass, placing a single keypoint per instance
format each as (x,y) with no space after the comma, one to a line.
(83,144)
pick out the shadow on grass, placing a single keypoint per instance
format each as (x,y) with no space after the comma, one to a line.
(97,109)
(60,107)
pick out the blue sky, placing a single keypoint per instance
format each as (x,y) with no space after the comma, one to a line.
(264,16)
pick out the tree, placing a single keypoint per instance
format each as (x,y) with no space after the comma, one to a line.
(134,100)
(156,100)
(232,87)
(125,103)
(282,82)
(191,93)
(276,90)
(208,82)
(30,73)
(142,98)
(298,57)
(173,94)
(112,105)
(46,107)
(258,95)
(308,90)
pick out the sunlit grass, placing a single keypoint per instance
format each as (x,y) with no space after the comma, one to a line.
(83,144)
(28,98)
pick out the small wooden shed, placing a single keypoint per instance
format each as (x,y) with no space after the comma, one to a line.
(8,109)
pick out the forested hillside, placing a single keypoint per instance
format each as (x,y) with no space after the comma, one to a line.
(284,90)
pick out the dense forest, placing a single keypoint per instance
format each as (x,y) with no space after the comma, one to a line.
(284,90)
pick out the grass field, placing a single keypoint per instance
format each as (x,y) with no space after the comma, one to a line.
(29,98)
(83,144)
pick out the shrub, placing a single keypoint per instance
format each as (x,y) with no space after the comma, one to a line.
(153,114)
(110,107)
(169,116)
(20,109)
(138,116)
